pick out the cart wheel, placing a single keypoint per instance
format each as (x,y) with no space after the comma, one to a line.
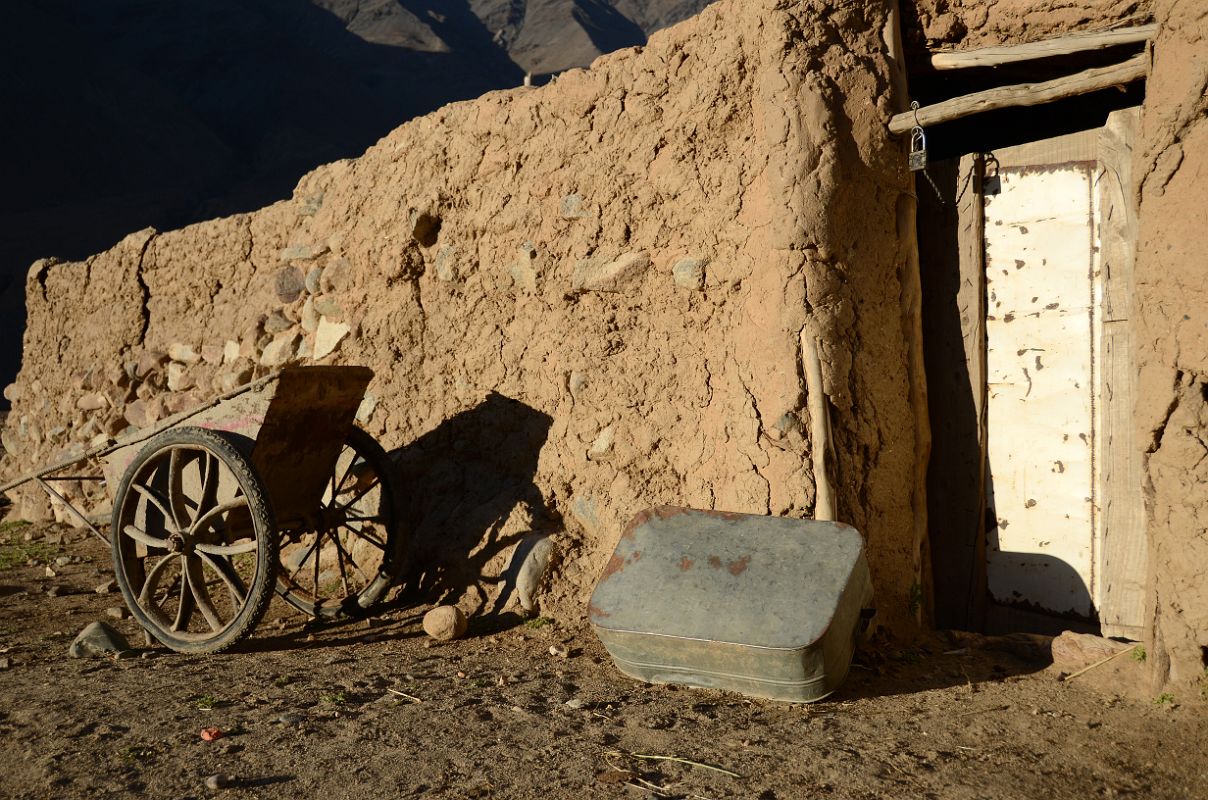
(343,563)
(194,541)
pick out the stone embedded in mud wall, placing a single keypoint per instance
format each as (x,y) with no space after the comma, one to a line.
(525,273)
(689,273)
(281,350)
(596,275)
(328,336)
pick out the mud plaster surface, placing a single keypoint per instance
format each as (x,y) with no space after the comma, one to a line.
(1171,165)
(580,301)
(965,24)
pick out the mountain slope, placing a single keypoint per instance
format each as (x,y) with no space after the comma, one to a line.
(127,114)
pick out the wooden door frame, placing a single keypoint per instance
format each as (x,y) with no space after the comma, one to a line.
(952,252)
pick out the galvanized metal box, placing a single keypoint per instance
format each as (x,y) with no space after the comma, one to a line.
(765,606)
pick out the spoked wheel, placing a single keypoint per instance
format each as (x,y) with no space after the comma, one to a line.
(194,541)
(343,561)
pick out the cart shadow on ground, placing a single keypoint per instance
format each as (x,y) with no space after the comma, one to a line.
(468,498)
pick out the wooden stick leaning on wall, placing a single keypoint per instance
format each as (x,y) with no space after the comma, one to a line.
(1061,46)
(820,438)
(1023,94)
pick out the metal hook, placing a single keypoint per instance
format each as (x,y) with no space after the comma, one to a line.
(914,106)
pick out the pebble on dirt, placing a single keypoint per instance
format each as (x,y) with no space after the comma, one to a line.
(217,781)
(211,734)
(97,639)
(445,623)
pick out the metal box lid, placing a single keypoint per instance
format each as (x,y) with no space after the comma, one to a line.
(766,582)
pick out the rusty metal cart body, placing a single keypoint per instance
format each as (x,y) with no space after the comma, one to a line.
(270,485)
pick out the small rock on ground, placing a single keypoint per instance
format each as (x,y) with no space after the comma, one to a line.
(1073,650)
(217,781)
(445,623)
(97,639)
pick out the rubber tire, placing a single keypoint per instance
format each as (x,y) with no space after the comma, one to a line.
(394,558)
(259,594)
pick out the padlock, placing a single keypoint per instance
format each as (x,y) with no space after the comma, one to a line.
(917,158)
(991,183)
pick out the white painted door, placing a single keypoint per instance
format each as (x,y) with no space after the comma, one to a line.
(1042,288)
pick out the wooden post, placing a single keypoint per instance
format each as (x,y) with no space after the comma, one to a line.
(1029,51)
(912,323)
(1023,94)
(824,490)
(1121,579)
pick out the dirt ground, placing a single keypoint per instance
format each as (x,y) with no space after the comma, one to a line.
(372,710)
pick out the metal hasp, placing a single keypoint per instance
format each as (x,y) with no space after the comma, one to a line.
(765,606)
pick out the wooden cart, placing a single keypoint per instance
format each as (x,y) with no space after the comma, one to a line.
(270,485)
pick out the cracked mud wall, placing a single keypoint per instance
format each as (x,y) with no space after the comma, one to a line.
(1172,410)
(580,301)
(964,24)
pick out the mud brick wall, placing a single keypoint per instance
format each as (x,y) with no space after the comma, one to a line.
(579,301)
(1170,166)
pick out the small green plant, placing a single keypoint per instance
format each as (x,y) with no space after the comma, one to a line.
(916,598)
(537,623)
(13,525)
(281,681)
(136,752)
(206,702)
(337,698)
(17,554)
(1164,699)
(1138,654)
(244,563)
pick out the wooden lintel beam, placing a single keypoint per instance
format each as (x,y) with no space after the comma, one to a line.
(1023,94)
(1061,46)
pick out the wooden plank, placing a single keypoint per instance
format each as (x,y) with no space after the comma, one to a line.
(1039,271)
(972,300)
(1078,146)
(1121,577)
(951,250)
(1060,46)
(1023,94)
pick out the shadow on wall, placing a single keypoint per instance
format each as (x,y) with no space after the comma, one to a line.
(127,114)
(469,496)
